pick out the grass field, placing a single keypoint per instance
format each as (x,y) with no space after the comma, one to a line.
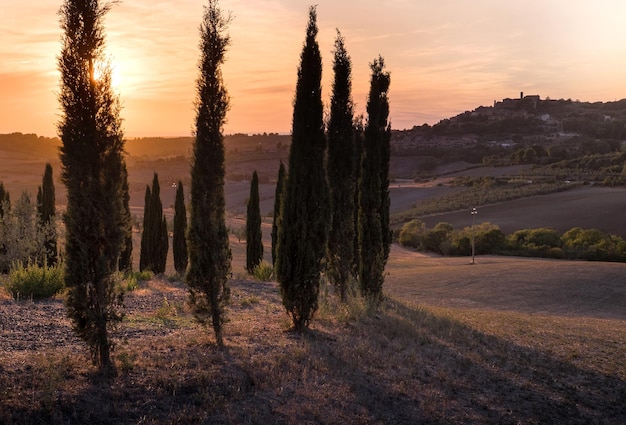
(506,341)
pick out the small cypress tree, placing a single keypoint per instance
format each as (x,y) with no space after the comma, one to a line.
(125,263)
(163,246)
(303,231)
(5,206)
(179,238)
(146,235)
(278,203)
(373,240)
(46,212)
(341,170)
(254,241)
(5,201)
(154,239)
(207,238)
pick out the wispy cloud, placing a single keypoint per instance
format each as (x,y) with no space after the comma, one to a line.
(444,57)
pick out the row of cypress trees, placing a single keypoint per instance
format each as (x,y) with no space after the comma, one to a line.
(155,235)
(94,172)
(154,238)
(318,225)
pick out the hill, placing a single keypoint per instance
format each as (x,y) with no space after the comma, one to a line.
(547,142)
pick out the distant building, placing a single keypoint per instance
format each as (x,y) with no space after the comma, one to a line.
(526,102)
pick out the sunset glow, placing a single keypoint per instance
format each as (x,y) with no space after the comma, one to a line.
(445,57)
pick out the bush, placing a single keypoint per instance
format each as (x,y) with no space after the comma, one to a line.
(35,281)
(141,276)
(353,308)
(412,234)
(263,271)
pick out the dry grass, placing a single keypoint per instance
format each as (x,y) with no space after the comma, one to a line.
(457,355)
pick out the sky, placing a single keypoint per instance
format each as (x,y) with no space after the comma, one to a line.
(444,57)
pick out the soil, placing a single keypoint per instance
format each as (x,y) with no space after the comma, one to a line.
(548,352)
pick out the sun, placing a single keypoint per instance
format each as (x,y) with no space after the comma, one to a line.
(107,68)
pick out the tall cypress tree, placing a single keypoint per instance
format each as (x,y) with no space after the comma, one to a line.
(374,187)
(341,170)
(179,238)
(383,133)
(46,212)
(303,232)
(154,238)
(278,203)
(254,241)
(209,251)
(92,158)
(359,140)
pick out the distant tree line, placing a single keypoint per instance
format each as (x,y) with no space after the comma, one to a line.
(574,244)
(28,230)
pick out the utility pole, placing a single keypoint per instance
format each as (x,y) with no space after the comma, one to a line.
(473,212)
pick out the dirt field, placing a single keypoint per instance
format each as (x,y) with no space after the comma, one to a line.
(505,341)
(587,207)
(522,285)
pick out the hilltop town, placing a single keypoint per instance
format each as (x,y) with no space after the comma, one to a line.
(521,121)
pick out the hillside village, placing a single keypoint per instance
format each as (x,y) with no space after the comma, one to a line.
(527,119)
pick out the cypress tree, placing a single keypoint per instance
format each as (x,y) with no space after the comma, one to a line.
(341,170)
(5,201)
(92,159)
(254,241)
(303,232)
(179,241)
(4,209)
(146,235)
(278,202)
(163,246)
(374,187)
(46,212)
(125,263)
(383,132)
(154,238)
(209,251)
(359,138)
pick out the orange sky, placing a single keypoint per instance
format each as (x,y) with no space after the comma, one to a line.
(445,57)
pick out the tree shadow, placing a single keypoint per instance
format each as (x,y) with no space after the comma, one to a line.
(447,372)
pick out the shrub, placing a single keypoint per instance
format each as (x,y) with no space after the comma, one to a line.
(412,234)
(130,281)
(263,271)
(129,284)
(21,236)
(142,275)
(352,308)
(35,281)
